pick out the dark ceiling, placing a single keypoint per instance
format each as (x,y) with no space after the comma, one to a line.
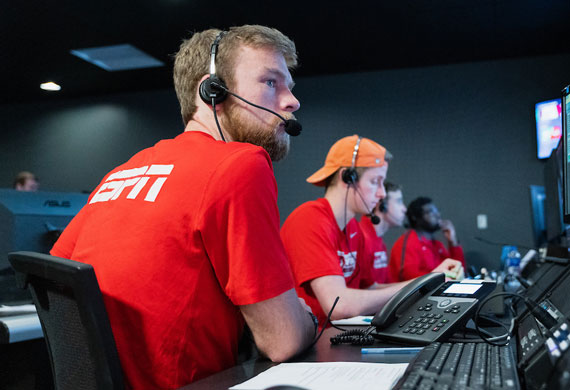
(331,37)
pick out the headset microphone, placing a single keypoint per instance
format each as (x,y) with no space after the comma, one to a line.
(292,126)
(373,217)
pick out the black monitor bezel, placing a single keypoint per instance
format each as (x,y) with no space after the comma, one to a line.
(565,168)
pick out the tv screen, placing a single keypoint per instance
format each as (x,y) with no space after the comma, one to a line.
(548,126)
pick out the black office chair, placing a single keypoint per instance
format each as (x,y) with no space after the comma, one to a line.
(76,328)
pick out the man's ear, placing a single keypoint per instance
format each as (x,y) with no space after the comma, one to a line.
(342,172)
(202,92)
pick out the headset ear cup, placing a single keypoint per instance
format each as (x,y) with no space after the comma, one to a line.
(350,176)
(209,89)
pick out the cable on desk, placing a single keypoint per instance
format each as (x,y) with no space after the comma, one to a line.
(325,324)
(354,337)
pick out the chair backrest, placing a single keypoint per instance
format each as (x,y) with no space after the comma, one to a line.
(76,328)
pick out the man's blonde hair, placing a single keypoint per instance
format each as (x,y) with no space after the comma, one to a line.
(192,61)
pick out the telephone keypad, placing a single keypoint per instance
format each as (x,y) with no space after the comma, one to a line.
(428,321)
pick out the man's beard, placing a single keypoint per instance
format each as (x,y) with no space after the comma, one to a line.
(271,137)
(431,227)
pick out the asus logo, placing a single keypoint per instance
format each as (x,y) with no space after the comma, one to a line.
(56,203)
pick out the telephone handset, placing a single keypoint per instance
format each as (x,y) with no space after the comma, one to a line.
(428,309)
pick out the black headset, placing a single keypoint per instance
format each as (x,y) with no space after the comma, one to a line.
(382,206)
(350,176)
(213,90)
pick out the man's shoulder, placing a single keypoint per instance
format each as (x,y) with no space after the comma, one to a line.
(409,235)
(220,157)
(309,219)
(311,208)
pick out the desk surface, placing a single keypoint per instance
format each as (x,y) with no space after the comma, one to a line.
(323,351)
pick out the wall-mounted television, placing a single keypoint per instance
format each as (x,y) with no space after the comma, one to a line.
(548,126)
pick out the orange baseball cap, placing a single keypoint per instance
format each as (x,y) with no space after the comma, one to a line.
(370,154)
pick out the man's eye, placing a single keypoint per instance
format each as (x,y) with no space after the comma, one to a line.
(270,83)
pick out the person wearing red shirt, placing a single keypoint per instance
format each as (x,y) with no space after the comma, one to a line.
(391,213)
(184,237)
(417,251)
(323,242)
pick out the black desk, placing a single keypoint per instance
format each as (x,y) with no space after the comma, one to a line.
(24,359)
(323,351)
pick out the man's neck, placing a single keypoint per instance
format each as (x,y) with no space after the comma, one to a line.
(203,120)
(425,234)
(382,227)
(337,200)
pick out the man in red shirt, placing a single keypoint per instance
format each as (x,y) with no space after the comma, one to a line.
(184,237)
(391,212)
(323,241)
(417,251)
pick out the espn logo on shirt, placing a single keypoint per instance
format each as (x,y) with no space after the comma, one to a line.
(147,180)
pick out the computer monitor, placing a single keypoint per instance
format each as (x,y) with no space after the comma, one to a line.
(553,185)
(537,207)
(566,154)
(32,221)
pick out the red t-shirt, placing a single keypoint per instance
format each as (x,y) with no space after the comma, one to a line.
(179,237)
(375,259)
(317,247)
(421,256)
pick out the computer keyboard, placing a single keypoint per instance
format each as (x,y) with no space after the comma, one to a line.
(441,366)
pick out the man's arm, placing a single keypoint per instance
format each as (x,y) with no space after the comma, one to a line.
(352,302)
(281,327)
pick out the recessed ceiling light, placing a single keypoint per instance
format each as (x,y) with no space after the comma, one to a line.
(117,57)
(50,86)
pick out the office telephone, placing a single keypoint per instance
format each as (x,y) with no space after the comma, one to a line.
(428,309)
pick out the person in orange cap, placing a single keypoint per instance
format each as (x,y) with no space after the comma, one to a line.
(323,241)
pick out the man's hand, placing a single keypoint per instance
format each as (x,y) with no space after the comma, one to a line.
(448,231)
(452,269)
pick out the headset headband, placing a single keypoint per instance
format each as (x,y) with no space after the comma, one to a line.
(355,152)
(214,51)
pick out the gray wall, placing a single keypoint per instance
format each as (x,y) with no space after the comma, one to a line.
(462,134)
